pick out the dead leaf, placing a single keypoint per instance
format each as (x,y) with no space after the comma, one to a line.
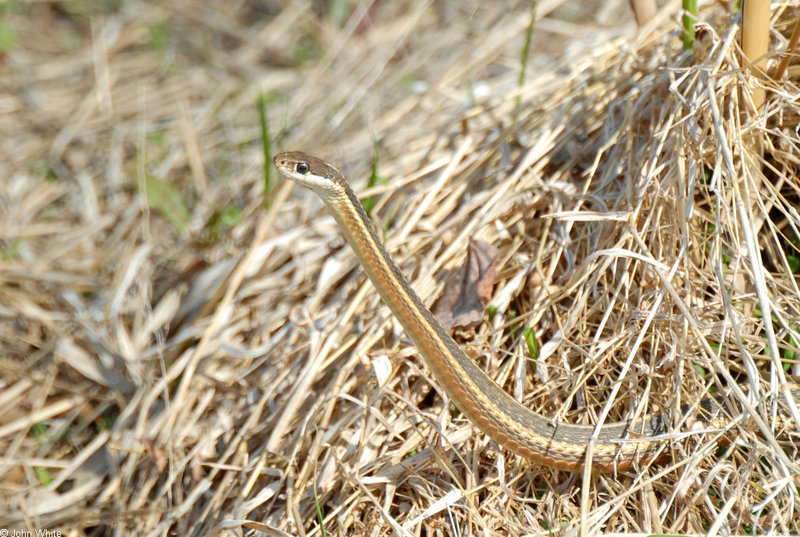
(158,456)
(462,304)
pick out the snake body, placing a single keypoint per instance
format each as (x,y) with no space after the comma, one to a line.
(510,424)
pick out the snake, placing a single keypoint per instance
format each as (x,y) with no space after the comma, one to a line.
(555,444)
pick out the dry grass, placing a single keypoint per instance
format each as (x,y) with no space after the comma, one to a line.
(176,376)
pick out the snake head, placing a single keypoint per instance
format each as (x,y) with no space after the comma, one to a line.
(311,172)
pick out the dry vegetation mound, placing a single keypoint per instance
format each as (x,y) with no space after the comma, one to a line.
(178,360)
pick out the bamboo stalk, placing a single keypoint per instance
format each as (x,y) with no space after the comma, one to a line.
(755,41)
(643,10)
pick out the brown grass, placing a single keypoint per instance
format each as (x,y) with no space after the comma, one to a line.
(168,373)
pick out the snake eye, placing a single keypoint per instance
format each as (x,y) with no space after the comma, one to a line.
(302,167)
